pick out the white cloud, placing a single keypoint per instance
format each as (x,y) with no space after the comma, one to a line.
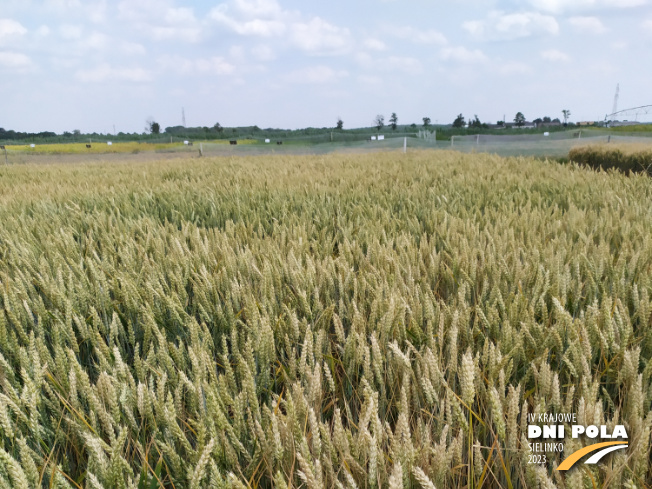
(263,52)
(320,37)
(265,18)
(132,48)
(591,25)
(555,56)
(561,6)
(179,16)
(374,44)
(10,29)
(160,21)
(411,66)
(261,27)
(429,36)
(258,8)
(97,41)
(11,61)
(316,75)
(93,11)
(191,34)
(461,54)
(43,31)
(370,80)
(216,65)
(70,32)
(393,64)
(105,73)
(502,26)
(512,68)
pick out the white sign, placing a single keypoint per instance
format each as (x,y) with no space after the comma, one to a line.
(546,134)
(185,142)
(109,143)
(267,140)
(381,137)
(32,146)
(373,138)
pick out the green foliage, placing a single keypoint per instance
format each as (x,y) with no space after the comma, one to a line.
(372,321)
(459,121)
(379,122)
(519,119)
(393,121)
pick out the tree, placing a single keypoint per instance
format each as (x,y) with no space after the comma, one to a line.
(379,121)
(218,127)
(426,122)
(152,126)
(340,124)
(566,114)
(393,120)
(459,121)
(546,119)
(476,123)
(519,119)
(76,132)
(500,123)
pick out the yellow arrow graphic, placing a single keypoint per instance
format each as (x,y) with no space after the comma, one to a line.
(574,457)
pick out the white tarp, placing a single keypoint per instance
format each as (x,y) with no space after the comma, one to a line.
(381,137)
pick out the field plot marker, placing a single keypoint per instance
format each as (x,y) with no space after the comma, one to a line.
(404,145)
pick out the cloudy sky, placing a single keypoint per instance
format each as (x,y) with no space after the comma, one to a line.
(90,65)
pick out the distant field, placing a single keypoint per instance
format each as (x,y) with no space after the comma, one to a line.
(104,148)
(373,321)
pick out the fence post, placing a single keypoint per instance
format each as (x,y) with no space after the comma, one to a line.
(609,139)
(477,140)
(201,149)
(404,145)
(452,141)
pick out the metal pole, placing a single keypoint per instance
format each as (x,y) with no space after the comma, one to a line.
(404,145)
(452,141)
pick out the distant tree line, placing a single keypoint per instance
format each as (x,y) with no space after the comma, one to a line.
(154,132)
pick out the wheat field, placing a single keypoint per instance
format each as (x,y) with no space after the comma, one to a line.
(340,321)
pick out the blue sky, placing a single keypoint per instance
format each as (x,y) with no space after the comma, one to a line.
(90,65)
